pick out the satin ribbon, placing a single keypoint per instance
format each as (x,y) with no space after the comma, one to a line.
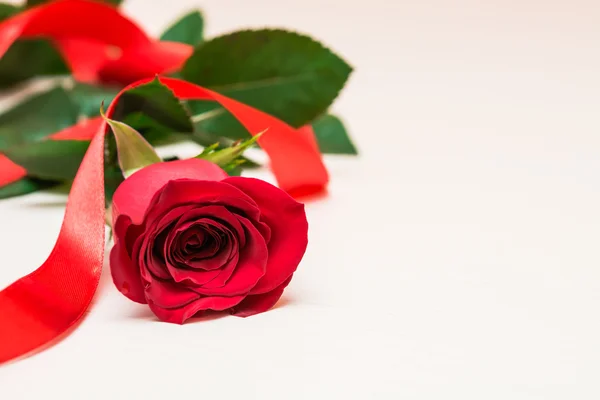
(42,306)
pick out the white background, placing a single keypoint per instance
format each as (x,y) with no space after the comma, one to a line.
(456,258)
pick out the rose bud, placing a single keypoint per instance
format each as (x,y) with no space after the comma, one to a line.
(188,238)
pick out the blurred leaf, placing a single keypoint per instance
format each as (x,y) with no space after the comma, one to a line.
(189,29)
(8,10)
(30,121)
(203,137)
(155,133)
(49,159)
(29,58)
(158,102)
(25,186)
(37,117)
(113,177)
(332,136)
(134,152)
(287,75)
(89,98)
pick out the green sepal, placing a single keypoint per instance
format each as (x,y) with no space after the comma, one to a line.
(229,157)
(134,152)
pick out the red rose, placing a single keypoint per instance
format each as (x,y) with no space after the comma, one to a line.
(189,238)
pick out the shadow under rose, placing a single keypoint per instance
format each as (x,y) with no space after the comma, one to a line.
(48,204)
(282,302)
(144,313)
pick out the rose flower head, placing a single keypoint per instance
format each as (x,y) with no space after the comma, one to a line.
(189,238)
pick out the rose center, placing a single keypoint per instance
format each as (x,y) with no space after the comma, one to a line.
(202,242)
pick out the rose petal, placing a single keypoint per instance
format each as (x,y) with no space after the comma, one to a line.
(161,221)
(182,314)
(289,230)
(181,192)
(218,213)
(197,271)
(249,270)
(258,303)
(144,257)
(219,260)
(202,276)
(125,274)
(148,244)
(134,195)
(196,243)
(166,294)
(194,277)
(213,220)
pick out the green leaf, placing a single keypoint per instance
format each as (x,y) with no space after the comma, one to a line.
(156,101)
(189,29)
(30,58)
(37,117)
(89,98)
(283,73)
(134,152)
(31,3)
(30,121)
(25,186)
(50,159)
(155,133)
(332,136)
